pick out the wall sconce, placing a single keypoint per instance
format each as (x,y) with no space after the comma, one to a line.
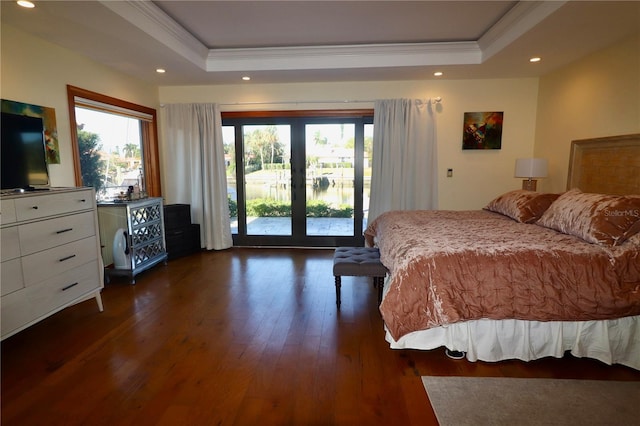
(530,168)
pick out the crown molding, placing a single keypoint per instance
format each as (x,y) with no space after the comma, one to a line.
(149,18)
(521,18)
(350,56)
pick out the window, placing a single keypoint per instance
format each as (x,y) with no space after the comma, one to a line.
(114,144)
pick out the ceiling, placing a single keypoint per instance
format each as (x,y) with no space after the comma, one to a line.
(218,42)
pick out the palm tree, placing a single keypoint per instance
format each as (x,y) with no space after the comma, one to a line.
(130,150)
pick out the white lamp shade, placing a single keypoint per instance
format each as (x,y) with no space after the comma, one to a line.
(531,167)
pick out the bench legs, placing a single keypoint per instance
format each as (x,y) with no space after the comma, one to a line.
(378,282)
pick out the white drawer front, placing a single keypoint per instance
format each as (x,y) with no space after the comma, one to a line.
(62,289)
(11,276)
(33,303)
(38,236)
(14,311)
(10,243)
(42,265)
(28,208)
(7,212)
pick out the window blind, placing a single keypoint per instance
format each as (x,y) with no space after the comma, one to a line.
(100,106)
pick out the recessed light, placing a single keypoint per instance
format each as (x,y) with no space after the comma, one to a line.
(438,73)
(160,70)
(535,59)
(25,3)
(246,78)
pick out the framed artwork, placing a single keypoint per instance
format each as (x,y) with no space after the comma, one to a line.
(482,130)
(48,116)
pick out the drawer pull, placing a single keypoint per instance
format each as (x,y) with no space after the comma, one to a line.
(62,231)
(35,207)
(69,286)
(67,258)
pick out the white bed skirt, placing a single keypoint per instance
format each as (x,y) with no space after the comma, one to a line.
(610,341)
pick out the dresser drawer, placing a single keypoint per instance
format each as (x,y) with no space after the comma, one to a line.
(7,211)
(42,265)
(14,311)
(29,208)
(33,303)
(38,236)
(62,289)
(11,276)
(9,243)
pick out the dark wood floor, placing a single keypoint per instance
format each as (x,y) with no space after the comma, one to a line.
(242,336)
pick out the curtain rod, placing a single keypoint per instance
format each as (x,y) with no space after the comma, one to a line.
(435,100)
(344,101)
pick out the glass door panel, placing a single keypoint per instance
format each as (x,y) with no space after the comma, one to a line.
(330,179)
(267,179)
(366,188)
(229,141)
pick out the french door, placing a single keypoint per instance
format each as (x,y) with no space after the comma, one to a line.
(298,181)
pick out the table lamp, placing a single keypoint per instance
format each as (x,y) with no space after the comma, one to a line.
(530,168)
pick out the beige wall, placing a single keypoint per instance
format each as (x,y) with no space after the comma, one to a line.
(37,72)
(596,96)
(478,176)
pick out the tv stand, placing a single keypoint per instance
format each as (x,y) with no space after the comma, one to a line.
(33,189)
(24,190)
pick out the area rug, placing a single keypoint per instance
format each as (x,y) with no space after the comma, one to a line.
(460,401)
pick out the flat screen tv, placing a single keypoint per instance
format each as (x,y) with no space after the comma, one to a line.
(23,155)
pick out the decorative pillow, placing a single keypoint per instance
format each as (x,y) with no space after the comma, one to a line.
(596,218)
(522,205)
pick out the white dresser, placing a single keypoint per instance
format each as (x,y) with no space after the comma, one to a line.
(50,255)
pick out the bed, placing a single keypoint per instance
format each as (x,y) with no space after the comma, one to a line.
(529,276)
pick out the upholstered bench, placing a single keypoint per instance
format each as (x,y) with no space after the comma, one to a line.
(358,262)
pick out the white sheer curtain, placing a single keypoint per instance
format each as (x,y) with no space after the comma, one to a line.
(404,173)
(194,168)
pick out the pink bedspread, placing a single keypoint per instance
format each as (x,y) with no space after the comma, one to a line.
(450,266)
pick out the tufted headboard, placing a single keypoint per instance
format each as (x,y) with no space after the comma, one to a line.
(608,165)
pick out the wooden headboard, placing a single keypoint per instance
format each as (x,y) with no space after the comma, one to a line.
(608,165)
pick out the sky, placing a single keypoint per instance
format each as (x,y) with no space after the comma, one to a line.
(114,130)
